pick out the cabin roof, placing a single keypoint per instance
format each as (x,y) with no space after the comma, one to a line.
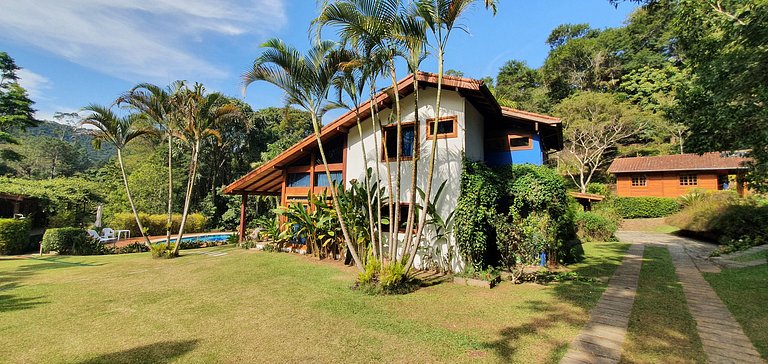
(267,179)
(680,162)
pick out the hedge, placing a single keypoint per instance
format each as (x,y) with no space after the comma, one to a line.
(156,224)
(595,226)
(642,207)
(14,236)
(63,240)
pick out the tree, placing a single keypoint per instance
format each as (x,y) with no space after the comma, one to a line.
(155,104)
(199,115)
(441,17)
(725,103)
(519,86)
(16,112)
(306,81)
(593,124)
(106,126)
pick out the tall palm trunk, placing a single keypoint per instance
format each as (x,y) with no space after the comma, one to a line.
(431,169)
(414,169)
(169,223)
(374,113)
(130,198)
(395,223)
(335,198)
(188,196)
(366,183)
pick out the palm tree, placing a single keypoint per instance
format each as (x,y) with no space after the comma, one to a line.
(306,81)
(118,131)
(156,105)
(199,115)
(441,17)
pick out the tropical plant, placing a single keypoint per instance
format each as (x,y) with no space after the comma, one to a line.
(306,81)
(106,126)
(441,17)
(156,104)
(199,114)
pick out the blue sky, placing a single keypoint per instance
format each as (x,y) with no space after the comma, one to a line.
(78,52)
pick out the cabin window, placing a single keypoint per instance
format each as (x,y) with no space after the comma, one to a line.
(689,180)
(447,127)
(334,152)
(321,179)
(639,181)
(298,180)
(403,217)
(408,140)
(519,142)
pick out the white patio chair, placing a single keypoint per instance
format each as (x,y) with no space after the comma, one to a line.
(108,233)
(101,239)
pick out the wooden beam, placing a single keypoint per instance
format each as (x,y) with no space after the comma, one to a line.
(243,204)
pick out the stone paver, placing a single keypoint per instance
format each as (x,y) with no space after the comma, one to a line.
(601,339)
(723,339)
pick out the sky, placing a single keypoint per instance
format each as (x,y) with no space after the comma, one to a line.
(78,52)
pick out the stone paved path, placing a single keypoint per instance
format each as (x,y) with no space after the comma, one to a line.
(601,339)
(723,339)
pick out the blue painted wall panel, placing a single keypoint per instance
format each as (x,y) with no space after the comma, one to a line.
(534,155)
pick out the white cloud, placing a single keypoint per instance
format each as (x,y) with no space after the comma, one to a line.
(137,40)
(34,83)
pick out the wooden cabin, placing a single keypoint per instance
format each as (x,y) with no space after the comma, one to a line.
(676,175)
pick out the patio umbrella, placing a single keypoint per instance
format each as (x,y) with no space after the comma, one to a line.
(98,217)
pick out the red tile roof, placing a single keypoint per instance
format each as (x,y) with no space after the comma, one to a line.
(679,162)
(516,113)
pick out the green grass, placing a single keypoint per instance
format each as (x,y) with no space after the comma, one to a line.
(665,229)
(761,255)
(744,292)
(661,330)
(249,306)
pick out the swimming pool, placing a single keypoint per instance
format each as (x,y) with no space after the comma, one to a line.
(212,238)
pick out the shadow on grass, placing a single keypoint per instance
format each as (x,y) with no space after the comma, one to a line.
(161,352)
(12,280)
(540,327)
(600,266)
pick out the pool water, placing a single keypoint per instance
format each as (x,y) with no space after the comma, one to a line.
(201,239)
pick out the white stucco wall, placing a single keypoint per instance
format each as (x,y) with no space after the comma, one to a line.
(448,162)
(474,130)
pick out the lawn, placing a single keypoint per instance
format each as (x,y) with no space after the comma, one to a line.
(745,292)
(250,306)
(660,327)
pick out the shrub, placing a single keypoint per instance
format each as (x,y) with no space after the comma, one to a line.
(162,250)
(71,241)
(475,209)
(156,224)
(725,217)
(596,226)
(598,188)
(14,236)
(389,279)
(640,207)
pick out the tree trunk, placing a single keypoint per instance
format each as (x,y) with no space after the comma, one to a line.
(188,196)
(394,225)
(431,169)
(414,169)
(367,184)
(169,223)
(130,199)
(335,198)
(374,113)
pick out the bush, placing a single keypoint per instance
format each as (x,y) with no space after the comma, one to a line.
(596,226)
(640,207)
(598,189)
(156,224)
(14,236)
(389,279)
(71,241)
(162,250)
(726,218)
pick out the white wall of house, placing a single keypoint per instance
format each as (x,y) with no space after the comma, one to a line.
(448,163)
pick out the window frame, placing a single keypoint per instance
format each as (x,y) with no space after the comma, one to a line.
(453,134)
(511,136)
(403,217)
(393,127)
(642,181)
(690,179)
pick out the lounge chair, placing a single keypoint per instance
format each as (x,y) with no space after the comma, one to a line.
(102,239)
(108,233)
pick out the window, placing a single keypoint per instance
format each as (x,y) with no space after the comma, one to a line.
(408,140)
(321,180)
(403,217)
(689,180)
(639,181)
(298,180)
(447,127)
(518,142)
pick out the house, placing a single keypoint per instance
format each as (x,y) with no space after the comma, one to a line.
(471,124)
(676,175)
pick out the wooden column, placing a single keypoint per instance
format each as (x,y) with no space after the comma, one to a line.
(242,217)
